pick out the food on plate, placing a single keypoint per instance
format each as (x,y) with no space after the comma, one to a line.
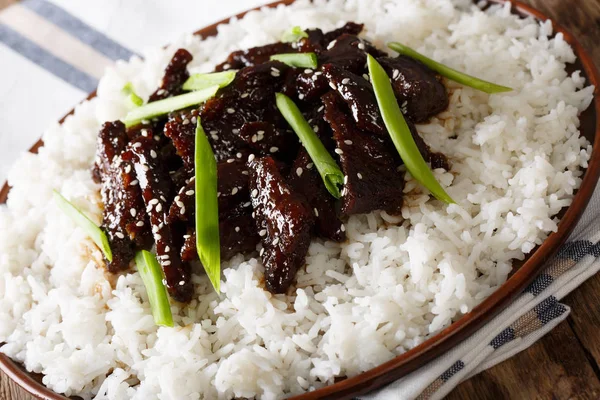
(260,213)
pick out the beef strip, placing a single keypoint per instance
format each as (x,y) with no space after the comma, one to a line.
(156,192)
(419,90)
(317,40)
(181,129)
(283,220)
(112,140)
(175,76)
(350,53)
(264,138)
(372,179)
(254,56)
(305,179)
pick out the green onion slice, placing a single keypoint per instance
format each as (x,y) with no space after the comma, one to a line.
(128,91)
(452,74)
(152,275)
(400,132)
(203,81)
(165,106)
(93,231)
(300,60)
(207,208)
(328,169)
(293,34)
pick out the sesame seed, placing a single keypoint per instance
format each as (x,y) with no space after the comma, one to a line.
(262,232)
(273,149)
(254,137)
(182,212)
(299,171)
(157,138)
(309,165)
(230,110)
(128,169)
(343,228)
(345,179)
(166,263)
(274,74)
(308,71)
(275,241)
(119,235)
(261,132)
(189,193)
(345,81)
(133,212)
(251,157)
(254,193)
(159,207)
(395,74)
(230,160)
(244,172)
(167,249)
(218,194)
(153,201)
(321,108)
(244,95)
(316,212)
(339,151)
(187,236)
(181,283)
(300,96)
(237,228)
(153,154)
(145,168)
(316,128)
(157,236)
(262,251)
(138,144)
(236,131)
(234,190)
(186,121)
(213,132)
(144,132)
(332,85)
(247,204)
(139,223)
(226,66)
(359,175)
(214,137)
(134,182)
(348,142)
(160,92)
(331,44)
(239,155)
(361,46)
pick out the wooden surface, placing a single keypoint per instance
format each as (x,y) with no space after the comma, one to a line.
(566,363)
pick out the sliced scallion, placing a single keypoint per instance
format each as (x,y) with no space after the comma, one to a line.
(207,208)
(450,73)
(328,169)
(203,81)
(92,230)
(400,132)
(299,60)
(152,275)
(167,105)
(293,34)
(133,98)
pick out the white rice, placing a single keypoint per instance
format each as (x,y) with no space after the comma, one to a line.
(516,162)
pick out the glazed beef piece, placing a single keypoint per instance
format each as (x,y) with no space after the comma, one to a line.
(306,85)
(305,179)
(112,140)
(254,56)
(265,139)
(372,179)
(317,41)
(157,195)
(181,129)
(419,90)
(350,53)
(175,76)
(284,222)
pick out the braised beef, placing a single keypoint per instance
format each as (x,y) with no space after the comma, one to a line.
(284,221)
(175,76)
(317,41)
(254,56)
(112,140)
(419,90)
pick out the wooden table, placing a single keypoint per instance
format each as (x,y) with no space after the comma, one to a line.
(565,364)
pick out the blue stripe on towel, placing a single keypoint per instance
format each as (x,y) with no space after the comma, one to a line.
(79,29)
(46,60)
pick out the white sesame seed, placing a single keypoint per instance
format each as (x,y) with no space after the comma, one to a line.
(275,241)
(166,263)
(343,228)
(214,132)
(299,171)
(309,165)
(182,212)
(214,137)
(321,108)
(244,95)
(119,235)
(262,251)
(189,193)
(262,232)
(155,229)
(348,142)
(236,131)
(187,236)
(361,46)
(139,223)
(186,121)
(345,179)
(331,44)
(230,110)
(366,76)
(226,66)
(239,155)
(254,137)
(167,249)
(300,96)
(157,138)
(274,74)
(316,212)
(181,283)
(251,157)
(244,172)
(153,201)
(127,168)
(230,160)
(157,236)
(359,175)
(134,182)
(218,194)
(237,228)
(345,81)
(153,154)
(234,190)
(138,144)
(145,168)
(332,85)
(308,71)
(273,149)
(395,74)
(316,128)
(247,204)
(159,207)
(261,132)
(133,212)
(339,151)
(254,193)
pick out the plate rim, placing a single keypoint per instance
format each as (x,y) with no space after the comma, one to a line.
(459,330)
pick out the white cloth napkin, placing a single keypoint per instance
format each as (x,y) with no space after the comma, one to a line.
(52,54)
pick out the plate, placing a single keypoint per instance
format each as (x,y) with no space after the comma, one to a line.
(522,275)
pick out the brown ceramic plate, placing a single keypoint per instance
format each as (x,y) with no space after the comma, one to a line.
(523,274)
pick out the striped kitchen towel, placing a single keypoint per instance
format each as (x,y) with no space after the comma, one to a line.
(52,54)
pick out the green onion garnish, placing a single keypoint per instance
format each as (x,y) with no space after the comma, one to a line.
(328,169)
(128,91)
(400,132)
(300,60)
(203,81)
(93,231)
(207,208)
(152,276)
(452,74)
(167,105)
(293,34)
